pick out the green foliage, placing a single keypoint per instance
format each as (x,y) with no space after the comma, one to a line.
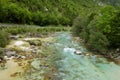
(1,53)
(108,23)
(38,12)
(79,24)
(45,12)
(4,38)
(96,39)
(100,30)
(35,42)
(93,38)
(105,15)
(14,13)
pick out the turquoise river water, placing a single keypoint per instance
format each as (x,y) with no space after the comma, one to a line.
(80,67)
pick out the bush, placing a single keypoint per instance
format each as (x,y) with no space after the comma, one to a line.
(12,13)
(96,39)
(4,38)
(1,53)
(100,31)
(86,28)
(79,24)
(37,18)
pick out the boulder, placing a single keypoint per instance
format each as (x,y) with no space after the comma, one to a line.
(23,57)
(10,53)
(8,58)
(35,42)
(36,64)
(32,46)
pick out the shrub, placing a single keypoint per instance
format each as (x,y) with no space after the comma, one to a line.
(4,38)
(12,13)
(86,28)
(96,39)
(1,53)
(37,18)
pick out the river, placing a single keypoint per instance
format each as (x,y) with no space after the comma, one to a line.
(59,50)
(81,67)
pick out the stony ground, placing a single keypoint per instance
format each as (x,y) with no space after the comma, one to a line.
(25,56)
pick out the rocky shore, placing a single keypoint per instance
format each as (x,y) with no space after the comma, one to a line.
(24,56)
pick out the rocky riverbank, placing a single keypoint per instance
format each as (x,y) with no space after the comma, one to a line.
(26,58)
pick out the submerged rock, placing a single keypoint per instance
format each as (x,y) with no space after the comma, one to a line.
(36,64)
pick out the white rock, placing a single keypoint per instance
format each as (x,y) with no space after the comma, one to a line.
(5,57)
(8,58)
(78,52)
(23,57)
(18,43)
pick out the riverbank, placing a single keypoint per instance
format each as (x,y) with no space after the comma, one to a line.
(28,58)
(112,55)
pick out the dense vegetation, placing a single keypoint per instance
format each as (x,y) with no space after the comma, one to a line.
(100,30)
(45,12)
(40,12)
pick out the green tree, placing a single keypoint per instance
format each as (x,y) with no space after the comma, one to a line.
(108,23)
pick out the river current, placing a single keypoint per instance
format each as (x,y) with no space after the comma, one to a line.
(81,67)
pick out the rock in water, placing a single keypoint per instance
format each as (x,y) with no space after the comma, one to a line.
(78,52)
(36,64)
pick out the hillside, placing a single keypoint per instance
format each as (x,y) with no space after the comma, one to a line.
(46,12)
